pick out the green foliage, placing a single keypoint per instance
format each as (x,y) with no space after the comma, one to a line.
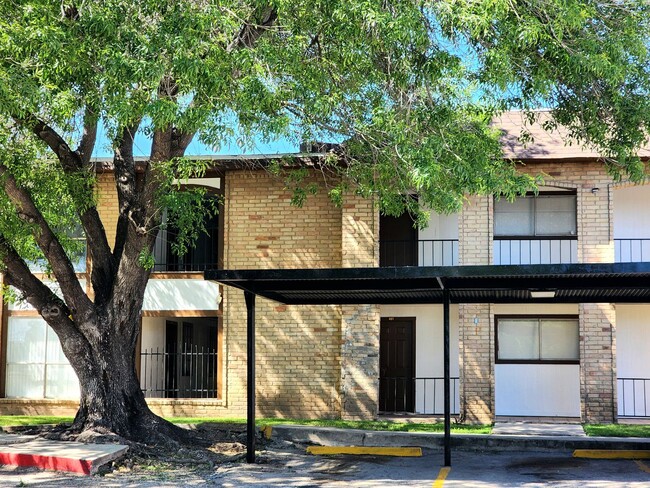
(411,87)
(617,430)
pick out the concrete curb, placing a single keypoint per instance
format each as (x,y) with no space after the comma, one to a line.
(60,455)
(329,436)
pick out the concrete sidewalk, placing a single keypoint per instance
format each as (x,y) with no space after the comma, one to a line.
(75,457)
(328,436)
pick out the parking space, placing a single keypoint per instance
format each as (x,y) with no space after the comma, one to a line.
(475,469)
(287,465)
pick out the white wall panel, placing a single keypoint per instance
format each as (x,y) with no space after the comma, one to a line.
(633,341)
(548,390)
(633,359)
(172,294)
(631,216)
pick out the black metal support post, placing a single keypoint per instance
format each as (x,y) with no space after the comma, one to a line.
(447,380)
(250,383)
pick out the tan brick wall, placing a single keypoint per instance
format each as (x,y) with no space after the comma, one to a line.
(360,324)
(475,230)
(476,363)
(107,204)
(298,348)
(598,362)
(476,334)
(61,408)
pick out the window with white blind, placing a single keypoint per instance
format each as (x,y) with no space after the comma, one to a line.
(36,365)
(537,339)
(548,214)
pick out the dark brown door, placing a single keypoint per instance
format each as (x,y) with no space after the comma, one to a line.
(398,241)
(397,365)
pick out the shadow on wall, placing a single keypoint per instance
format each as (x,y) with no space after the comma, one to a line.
(298,361)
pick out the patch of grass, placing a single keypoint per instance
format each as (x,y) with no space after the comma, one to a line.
(21,420)
(348,424)
(617,430)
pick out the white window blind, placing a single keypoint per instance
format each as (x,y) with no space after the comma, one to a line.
(542,215)
(538,339)
(36,365)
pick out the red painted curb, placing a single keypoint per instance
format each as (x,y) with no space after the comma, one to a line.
(46,462)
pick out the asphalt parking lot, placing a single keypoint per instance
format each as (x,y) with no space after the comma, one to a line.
(287,465)
(469,469)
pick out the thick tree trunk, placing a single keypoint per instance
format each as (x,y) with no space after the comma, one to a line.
(112,402)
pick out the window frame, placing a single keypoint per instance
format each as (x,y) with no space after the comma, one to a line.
(507,237)
(539,318)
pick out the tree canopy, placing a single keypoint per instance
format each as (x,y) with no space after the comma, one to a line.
(409,89)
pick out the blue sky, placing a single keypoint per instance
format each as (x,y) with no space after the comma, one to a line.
(142,147)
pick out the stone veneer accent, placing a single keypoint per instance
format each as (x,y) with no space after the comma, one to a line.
(359,324)
(598,362)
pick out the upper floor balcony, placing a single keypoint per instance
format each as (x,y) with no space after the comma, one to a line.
(536,228)
(401,244)
(203,255)
(631,250)
(423,252)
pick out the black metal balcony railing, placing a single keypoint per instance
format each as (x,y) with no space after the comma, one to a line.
(201,257)
(631,250)
(426,252)
(633,397)
(535,251)
(416,395)
(191,373)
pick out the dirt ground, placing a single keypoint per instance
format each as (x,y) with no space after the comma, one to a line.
(216,459)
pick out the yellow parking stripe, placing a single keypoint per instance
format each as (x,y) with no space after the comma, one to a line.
(375,451)
(642,466)
(442,476)
(611,454)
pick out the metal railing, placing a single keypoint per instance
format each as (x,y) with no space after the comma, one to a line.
(631,250)
(198,258)
(425,252)
(416,395)
(633,397)
(535,251)
(191,373)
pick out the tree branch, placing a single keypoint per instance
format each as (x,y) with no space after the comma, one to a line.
(88,138)
(253,30)
(125,183)
(73,293)
(18,275)
(71,162)
(180,141)
(53,310)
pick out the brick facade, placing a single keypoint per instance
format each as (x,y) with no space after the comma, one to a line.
(107,204)
(323,361)
(597,321)
(359,324)
(476,334)
(311,361)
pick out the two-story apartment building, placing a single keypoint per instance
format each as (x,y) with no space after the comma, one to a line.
(577,361)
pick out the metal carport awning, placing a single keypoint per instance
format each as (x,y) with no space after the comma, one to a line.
(545,283)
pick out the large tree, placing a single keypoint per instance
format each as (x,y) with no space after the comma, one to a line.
(409,87)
